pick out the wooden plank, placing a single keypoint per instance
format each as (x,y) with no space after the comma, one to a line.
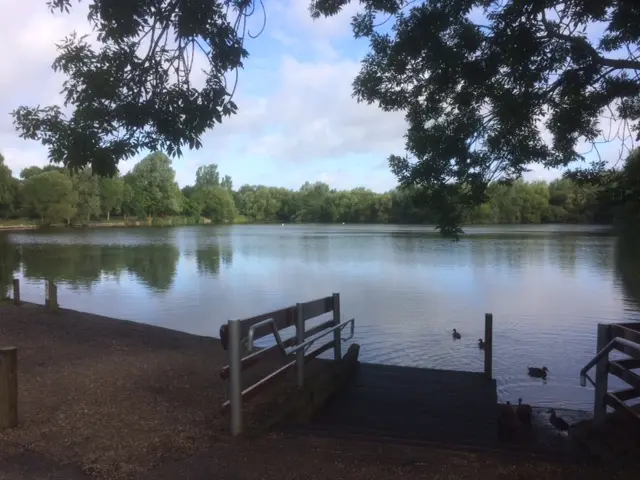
(8,387)
(285,317)
(626,333)
(320,351)
(337,334)
(266,354)
(488,345)
(626,395)
(318,328)
(401,403)
(631,325)
(315,308)
(261,385)
(614,401)
(274,350)
(630,363)
(628,376)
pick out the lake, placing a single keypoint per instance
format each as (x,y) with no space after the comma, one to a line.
(547,287)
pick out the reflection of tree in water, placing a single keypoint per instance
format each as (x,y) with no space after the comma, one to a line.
(154,265)
(78,266)
(9,264)
(210,257)
(82,265)
(628,265)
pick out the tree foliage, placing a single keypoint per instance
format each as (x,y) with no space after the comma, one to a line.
(86,187)
(112,195)
(149,192)
(155,191)
(207,176)
(50,196)
(7,187)
(135,87)
(479,78)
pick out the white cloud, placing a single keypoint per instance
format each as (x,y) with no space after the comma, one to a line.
(28,34)
(311,115)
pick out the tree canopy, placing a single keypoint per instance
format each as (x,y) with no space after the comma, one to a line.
(479,79)
(135,89)
(481,82)
(149,195)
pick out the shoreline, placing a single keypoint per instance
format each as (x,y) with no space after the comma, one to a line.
(114,399)
(169,224)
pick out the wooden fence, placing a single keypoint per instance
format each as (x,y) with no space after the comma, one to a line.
(238,336)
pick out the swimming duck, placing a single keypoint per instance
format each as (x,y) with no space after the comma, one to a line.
(524,412)
(538,372)
(456,335)
(481,344)
(559,423)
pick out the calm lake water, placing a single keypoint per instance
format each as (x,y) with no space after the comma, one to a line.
(547,287)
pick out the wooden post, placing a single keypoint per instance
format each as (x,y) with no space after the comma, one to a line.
(51,296)
(16,291)
(602,375)
(337,334)
(8,387)
(488,345)
(300,340)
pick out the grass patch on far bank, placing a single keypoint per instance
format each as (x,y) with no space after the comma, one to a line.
(28,223)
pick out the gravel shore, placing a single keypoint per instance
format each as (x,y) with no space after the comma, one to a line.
(110,399)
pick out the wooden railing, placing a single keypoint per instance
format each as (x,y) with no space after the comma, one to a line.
(238,338)
(624,337)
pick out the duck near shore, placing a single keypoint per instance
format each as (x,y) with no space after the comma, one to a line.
(560,424)
(524,413)
(536,372)
(508,422)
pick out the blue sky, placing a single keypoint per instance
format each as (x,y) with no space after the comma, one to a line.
(296,122)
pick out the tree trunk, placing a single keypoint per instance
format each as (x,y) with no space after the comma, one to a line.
(108,215)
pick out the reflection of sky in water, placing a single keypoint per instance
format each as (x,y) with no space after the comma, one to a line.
(547,287)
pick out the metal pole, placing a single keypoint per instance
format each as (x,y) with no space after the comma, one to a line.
(602,375)
(299,341)
(488,345)
(337,348)
(235,376)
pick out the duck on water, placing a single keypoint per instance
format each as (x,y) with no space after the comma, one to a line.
(456,335)
(536,372)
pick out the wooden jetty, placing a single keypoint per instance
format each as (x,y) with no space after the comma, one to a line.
(388,401)
(405,404)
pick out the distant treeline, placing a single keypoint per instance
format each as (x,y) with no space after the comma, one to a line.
(53,195)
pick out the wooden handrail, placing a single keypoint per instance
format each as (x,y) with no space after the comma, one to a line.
(283,318)
(260,385)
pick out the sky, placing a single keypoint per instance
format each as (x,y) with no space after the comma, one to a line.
(297,120)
